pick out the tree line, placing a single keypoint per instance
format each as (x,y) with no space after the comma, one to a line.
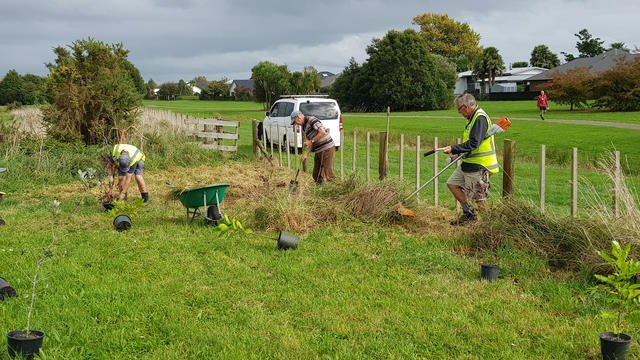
(92,87)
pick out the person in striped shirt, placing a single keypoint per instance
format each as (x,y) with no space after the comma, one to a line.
(320,143)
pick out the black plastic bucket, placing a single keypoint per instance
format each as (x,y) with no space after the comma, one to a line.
(27,346)
(6,290)
(122,223)
(614,347)
(287,241)
(489,272)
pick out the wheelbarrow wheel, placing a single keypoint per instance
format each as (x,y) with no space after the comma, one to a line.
(213,215)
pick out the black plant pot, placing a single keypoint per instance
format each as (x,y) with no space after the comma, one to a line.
(122,222)
(287,241)
(19,343)
(6,290)
(614,347)
(213,215)
(489,272)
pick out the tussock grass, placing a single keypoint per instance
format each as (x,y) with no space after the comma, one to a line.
(566,242)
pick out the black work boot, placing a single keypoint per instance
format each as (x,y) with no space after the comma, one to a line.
(464,219)
(467,216)
(145,197)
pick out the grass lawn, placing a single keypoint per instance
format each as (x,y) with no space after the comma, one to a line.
(354,289)
(168,290)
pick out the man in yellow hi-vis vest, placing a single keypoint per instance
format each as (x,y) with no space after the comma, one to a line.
(128,161)
(471,179)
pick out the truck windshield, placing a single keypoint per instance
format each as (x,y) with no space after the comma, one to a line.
(321,110)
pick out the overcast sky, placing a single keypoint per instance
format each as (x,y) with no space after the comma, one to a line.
(180,39)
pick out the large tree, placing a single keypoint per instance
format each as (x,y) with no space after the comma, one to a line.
(306,81)
(12,88)
(519,64)
(168,91)
(216,90)
(93,91)
(452,39)
(271,80)
(587,45)
(401,73)
(541,56)
(489,66)
(619,46)
(618,89)
(184,88)
(573,87)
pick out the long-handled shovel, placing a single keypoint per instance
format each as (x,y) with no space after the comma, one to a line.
(293,184)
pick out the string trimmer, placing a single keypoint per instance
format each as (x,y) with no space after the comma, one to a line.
(499,127)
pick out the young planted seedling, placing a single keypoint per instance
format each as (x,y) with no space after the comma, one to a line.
(28,342)
(122,212)
(623,294)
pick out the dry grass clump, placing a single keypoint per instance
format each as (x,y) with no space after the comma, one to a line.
(567,242)
(28,120)
(290,213)
(625,223)
(375,201)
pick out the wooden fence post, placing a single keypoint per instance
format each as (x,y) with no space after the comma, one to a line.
(368,157)
(417,164)
(543,175)
(382,155)
(341,155)
(271,139)
(401,156)
(264,138)
(209,128)
(509,167)
(617,183)
(574,183)
(288,149)
(254,129)
(435,171)
(279,144)
(353,164)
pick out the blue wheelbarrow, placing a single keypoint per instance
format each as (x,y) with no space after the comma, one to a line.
(209,197)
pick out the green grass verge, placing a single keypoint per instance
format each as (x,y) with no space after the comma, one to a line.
(167,290)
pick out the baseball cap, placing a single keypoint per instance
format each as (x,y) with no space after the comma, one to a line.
(124,163)
(294,115)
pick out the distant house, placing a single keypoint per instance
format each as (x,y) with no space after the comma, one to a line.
(196,90)
(597,64)
(327,78)
(507,82)
(246,85)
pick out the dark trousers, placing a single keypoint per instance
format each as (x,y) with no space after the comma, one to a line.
(323,165)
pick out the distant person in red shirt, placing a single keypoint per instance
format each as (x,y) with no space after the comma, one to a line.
(542,104)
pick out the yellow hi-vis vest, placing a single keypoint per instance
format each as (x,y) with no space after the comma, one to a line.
(134,153)
(485,154)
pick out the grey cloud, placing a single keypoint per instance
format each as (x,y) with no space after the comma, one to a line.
(167,37)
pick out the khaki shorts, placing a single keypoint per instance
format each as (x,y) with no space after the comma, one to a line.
(475,184)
